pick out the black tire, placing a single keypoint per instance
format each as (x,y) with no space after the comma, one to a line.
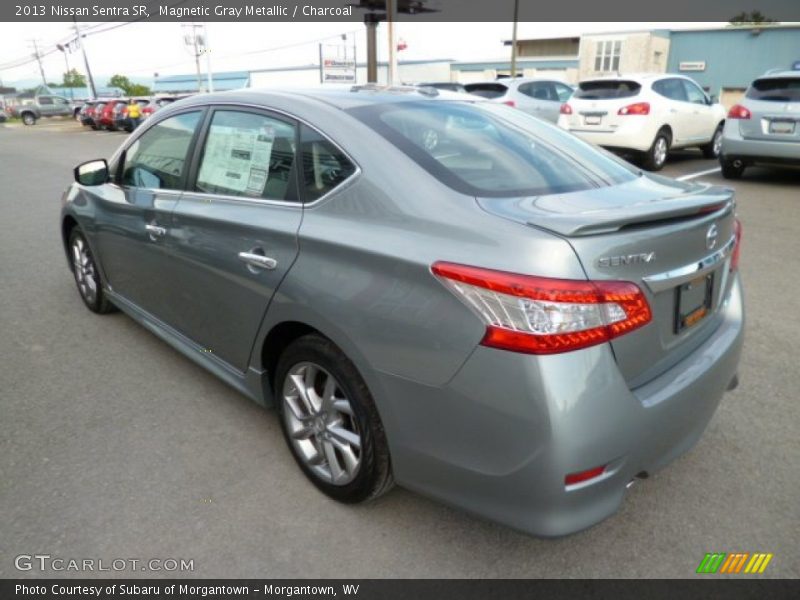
(29,118)
(97,302)
(653,159)
(711,149)
(95,127)
(731,170)
(374,475)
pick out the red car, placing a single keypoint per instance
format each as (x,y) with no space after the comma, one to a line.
(105,120)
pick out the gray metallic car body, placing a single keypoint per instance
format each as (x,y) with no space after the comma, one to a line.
(490,431)
(751,141)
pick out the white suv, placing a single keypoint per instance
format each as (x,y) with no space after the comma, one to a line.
(538,97)
(647,114)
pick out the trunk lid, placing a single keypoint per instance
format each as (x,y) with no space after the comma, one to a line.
(672,239)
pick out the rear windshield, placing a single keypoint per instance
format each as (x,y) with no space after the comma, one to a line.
(607,89)
(486,90)
(775,89)
(487,149)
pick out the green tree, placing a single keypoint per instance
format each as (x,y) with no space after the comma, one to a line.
(126,85)
(751,18)
(74,79)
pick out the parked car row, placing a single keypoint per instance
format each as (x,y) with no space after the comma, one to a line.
(113,114)
(647,116)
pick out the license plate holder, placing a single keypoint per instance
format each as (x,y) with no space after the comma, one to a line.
(781,127)
(693,302)
(592,119)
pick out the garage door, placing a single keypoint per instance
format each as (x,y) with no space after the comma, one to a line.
(731,96)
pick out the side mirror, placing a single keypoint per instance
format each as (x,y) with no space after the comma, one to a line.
(94,172)
(713,99)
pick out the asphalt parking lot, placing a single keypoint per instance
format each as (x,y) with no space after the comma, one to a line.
(114,445)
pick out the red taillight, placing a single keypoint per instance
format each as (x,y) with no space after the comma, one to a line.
(566,109)
(538,315)
(124,112)
(737,231)
(639,108)
(575,478)
(739,112)
(510,103)
(147,110)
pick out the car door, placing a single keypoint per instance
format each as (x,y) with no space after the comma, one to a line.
(676,110)
(234,232)
(702,120)
(61,106)
(46,106)
(133,213)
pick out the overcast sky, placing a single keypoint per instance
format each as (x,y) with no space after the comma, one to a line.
(139,50)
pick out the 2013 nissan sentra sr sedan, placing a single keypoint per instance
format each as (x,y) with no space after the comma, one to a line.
(430,289)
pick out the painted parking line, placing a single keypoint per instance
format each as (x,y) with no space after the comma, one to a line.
(699,174)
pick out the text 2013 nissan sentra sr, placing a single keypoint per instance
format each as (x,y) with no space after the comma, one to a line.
(431,289)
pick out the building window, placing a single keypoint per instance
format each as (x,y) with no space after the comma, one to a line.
(607,56)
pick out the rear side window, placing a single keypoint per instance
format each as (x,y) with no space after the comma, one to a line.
(157,160)
(248,154)
(488,149)
(775,89)
(607,89)
(324,165)
(486,90)
(672,89)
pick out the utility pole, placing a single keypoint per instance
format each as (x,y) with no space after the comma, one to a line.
(38,59)
(194,41)
(65,49)
(371,21)
(207,49)
(514,41)
(85,59)
(391,17)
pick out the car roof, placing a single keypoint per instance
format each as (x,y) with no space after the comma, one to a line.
(340,96)
(779,74)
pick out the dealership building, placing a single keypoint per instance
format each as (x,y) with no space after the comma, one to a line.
(723,60)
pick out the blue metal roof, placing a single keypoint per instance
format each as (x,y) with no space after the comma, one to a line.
(230,80)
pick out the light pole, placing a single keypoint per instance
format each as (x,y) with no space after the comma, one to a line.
(64,49)
(85,60)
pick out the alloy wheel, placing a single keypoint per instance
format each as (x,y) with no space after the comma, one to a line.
(660,151)
(717,145)
(321,425)
(84,270)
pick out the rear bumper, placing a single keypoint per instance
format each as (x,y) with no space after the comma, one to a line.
(734,146)
(499,439)
(636,134)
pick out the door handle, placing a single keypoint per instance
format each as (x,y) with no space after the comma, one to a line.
(155,230)
(258,261)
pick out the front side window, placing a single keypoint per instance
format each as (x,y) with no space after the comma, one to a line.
(607,55)
(488,149)
(248,154)
(539,90)
(324,165)
(564,92)
(693,93)
(158,159)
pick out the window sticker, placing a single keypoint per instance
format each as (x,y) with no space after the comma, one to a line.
(236,159)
